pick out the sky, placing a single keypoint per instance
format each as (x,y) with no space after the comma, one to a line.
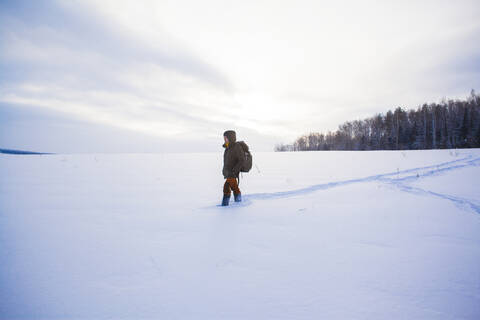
(172,76)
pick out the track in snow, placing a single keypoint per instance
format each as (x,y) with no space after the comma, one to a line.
(392,178)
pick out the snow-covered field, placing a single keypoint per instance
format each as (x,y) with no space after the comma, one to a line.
(320,235)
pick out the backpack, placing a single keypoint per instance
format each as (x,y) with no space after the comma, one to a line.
(247,164)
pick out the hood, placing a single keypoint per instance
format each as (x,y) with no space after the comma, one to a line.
(231,135)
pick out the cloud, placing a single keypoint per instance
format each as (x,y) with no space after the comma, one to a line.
(75,63)
(182,71)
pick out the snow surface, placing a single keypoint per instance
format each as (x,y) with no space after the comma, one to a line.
(320,235)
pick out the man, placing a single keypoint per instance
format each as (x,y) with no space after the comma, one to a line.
(233,158)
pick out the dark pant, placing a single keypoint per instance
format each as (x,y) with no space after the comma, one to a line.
(231,184)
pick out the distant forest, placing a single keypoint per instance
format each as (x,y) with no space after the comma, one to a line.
(444,125)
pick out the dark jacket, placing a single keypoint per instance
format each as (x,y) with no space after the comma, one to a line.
(232,157)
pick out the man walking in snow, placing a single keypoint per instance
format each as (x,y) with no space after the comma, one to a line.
(233,159)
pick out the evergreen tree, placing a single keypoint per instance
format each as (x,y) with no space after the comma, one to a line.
(449,124)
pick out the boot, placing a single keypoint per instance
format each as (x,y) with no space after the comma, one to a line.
(225,200)
(238,197)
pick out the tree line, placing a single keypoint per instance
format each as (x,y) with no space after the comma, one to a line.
(444,125)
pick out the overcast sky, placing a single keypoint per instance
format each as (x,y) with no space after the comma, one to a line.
(150,76)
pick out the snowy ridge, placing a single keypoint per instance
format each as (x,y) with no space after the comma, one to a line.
(21,152)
